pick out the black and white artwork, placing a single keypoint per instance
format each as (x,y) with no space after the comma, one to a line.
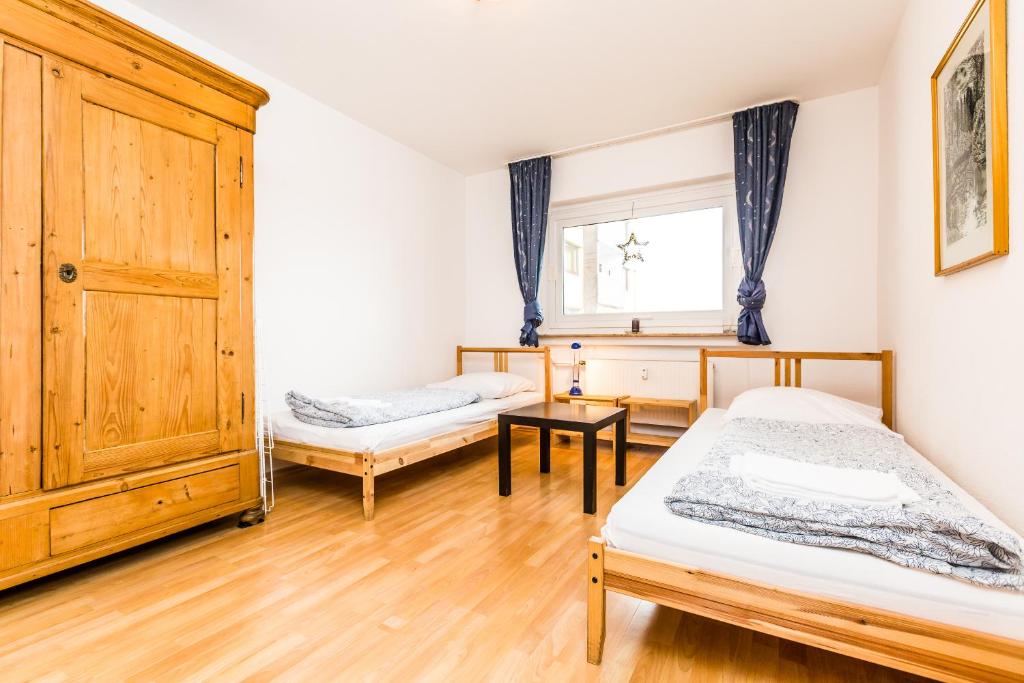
(969,136)
(965,147)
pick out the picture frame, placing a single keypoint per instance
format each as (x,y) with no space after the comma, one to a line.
(969,143)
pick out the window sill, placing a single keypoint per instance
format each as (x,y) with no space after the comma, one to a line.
(639,335)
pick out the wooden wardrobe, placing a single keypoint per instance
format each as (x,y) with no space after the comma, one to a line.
(126,334)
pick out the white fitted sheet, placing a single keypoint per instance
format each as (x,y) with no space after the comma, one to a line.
(381,437)
(640,522)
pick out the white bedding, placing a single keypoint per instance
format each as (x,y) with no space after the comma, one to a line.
(381,437)
(641,523)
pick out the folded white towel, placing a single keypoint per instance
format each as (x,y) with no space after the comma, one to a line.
(843,485)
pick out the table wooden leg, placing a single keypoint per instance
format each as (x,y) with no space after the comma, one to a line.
(620,453)
(545,449)
(504,458)
(590,472)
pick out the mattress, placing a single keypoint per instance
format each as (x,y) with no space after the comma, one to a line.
(381,437)
(639,522)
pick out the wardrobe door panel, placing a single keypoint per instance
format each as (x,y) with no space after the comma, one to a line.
(150,381)
(20,264)
(140,359)
(141,210)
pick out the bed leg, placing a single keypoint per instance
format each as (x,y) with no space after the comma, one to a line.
(368,486)
(595,600)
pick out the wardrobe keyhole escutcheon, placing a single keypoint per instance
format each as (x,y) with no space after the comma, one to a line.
(67,272)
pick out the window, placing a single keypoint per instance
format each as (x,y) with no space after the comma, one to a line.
(681,268)
(663,258)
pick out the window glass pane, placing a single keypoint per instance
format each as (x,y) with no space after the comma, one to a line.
(680,270)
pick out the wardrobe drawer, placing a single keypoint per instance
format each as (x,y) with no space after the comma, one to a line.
(24,539)
(98,519)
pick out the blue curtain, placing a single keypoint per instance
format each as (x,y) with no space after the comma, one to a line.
(761,138)
(531,191)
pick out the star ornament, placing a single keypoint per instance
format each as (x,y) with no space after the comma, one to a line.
(631,250)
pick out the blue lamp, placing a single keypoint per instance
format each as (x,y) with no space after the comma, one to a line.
(575,390)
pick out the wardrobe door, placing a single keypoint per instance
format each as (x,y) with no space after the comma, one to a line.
(20,285)
(143,354)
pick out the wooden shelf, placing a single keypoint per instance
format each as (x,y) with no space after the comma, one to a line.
(658,402)
(641,335)
(632,402)
(650,439)
(610,399)
(690,406)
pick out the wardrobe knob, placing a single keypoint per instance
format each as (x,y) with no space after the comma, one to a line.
(67,272)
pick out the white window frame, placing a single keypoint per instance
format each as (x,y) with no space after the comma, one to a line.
(719,193)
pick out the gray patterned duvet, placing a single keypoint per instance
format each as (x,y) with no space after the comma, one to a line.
(937,533)
(372,409)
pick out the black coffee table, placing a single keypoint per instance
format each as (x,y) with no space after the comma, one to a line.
(571,417)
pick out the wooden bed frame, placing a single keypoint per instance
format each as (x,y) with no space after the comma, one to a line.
(370,465)
(923,647)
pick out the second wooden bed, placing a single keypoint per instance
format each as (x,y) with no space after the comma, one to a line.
(901,641)
(368,465)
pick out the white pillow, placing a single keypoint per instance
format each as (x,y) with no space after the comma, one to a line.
(803,405)
(487,384)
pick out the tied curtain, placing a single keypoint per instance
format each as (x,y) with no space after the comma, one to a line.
(761,138)
(531,191)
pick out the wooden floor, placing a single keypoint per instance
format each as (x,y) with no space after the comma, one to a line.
(437,588)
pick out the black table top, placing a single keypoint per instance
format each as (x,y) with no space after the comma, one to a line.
(570,416)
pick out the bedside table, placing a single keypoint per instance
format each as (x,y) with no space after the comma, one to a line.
(631,402)
(610,400)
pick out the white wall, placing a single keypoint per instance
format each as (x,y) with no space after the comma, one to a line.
(959,369)
(821,276)
(359,263)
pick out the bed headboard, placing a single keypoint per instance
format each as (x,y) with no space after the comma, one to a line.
(789,371)
(501,359)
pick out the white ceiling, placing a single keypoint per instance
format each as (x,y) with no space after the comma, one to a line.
(475,83)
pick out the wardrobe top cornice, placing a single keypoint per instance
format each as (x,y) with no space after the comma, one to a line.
(148,47)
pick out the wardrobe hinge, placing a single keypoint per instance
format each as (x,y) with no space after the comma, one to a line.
(241,172)
(243,407)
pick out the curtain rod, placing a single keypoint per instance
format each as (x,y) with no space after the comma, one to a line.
(655,132)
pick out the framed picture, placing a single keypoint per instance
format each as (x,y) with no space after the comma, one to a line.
(969,142)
